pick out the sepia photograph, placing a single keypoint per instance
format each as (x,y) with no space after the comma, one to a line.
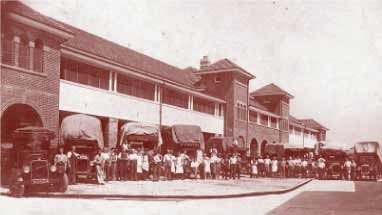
(191,107)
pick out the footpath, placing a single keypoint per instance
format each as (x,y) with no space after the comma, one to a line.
(177,189)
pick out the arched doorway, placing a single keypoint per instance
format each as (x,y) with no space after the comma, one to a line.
(15,116)
(254,147)
(263,145)
(18,116)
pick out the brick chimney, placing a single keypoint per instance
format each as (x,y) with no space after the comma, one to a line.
(204,62)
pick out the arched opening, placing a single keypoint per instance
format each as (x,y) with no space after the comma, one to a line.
(254,147)
(38,55)
(18,116)
(15,116)
(263,145)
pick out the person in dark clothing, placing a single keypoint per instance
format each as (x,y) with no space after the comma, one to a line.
(72,156)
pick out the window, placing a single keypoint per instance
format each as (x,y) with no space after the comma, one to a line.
(221,110)
(273,122)
(218,79)
(297,131)
(204,106)
(175,98)
(241,111)
(252,116)
(24,56)
(290,129)
(25,53)
(136,87)
(84,74)
(38,55)
(264,120)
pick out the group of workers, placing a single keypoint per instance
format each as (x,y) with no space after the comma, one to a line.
(141,164)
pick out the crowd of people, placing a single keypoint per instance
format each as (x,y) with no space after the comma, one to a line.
(140,164)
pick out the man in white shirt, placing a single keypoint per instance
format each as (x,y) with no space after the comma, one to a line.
(167,161)
(267,166)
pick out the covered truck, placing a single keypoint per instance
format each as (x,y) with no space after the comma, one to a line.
(84,132)
(139,134)
(183,138)
(368,156)
(225,145)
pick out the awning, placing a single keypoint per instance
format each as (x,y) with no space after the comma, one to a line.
(182,134)
(81,127)
(139,131)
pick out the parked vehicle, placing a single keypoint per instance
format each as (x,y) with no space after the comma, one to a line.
(187,138)
(33,169)
(140,135)
(369,160)
(335,157)
(228,145)
(85,133)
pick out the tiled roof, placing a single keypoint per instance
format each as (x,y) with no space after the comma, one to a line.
(311,123)
(224,64)
(256,104)
(294,120)
(23,10)
(101,47)
(270,89)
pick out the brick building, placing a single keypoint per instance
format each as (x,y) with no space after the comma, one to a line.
(51,70)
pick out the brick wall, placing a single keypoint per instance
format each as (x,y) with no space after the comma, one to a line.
(40,91)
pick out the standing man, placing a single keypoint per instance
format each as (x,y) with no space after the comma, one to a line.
(347,167)
(321,167)
(113,165)
(123,164)
(72,157)
(133,158)
(233,165)
(167,161)
(157,159)
(290,163)
(105,155)
(267,166)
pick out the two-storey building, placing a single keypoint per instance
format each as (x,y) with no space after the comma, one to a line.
(50,70)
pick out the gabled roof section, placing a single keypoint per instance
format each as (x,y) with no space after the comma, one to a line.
(294,120)
(224,65)
(21,9)
(311,123)
(270,90)
(256,104)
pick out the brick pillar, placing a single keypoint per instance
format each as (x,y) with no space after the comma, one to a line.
(111,133)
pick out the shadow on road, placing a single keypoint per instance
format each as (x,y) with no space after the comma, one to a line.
(366,200)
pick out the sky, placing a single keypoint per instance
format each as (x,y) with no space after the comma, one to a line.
(328,54)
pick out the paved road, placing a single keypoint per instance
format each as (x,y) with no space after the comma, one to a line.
(309,199)
(365,200)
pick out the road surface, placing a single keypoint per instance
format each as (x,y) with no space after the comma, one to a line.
(317,197)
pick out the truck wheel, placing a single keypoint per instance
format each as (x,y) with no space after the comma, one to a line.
(65,182)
